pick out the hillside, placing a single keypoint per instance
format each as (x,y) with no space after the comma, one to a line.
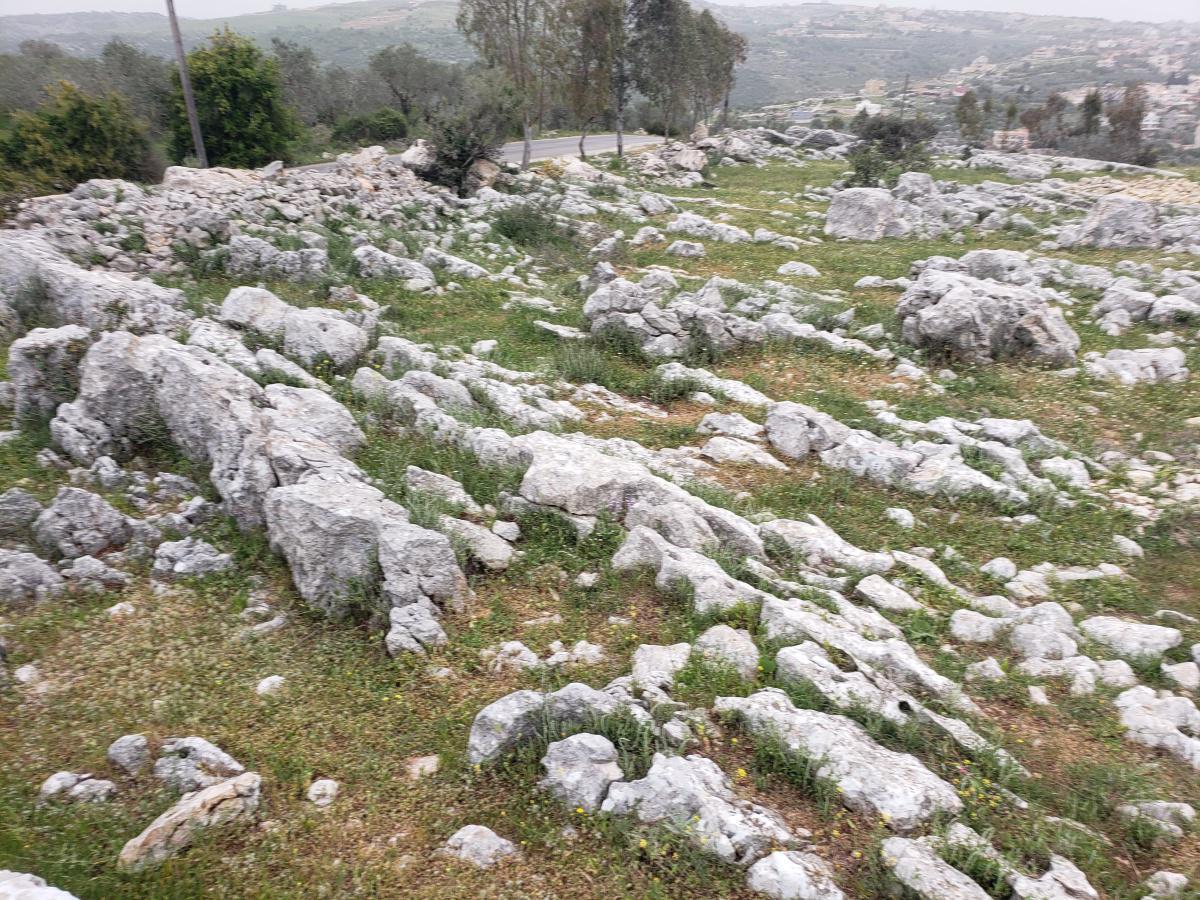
(795,51)
(687,526)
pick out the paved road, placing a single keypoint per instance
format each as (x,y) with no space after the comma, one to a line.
(569,146)
(547,148)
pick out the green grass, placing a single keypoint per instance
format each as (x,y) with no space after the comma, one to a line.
(180,666)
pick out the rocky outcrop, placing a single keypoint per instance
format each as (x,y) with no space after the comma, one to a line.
(981,322)
(693,788)
(1166,365)
(865,214)
(43,368)
(40,283)
(80,523)
(26,579)
(871,779)
(1115,223)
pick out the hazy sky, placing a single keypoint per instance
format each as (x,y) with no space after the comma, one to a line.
(1153,10)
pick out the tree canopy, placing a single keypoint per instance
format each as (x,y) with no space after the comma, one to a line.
(239,98)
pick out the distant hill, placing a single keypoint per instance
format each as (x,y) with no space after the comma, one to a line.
(342,33)
(795,51)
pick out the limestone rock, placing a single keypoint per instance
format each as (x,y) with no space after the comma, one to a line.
(71,295)
(18,511)
(1116,222)
(488,549)
(234,800)
(656,665)
(1132,639)
(21,886)
(478,845)
(189,558)
(422,481)
(129,753)
(579,770)
(918,867)
(679,789)
(874,781)
(26,579)
(731,647)
(864,214)
(80,523)
(81,788)
(1147,366)
(43,367)
(322,792)
(413,629)
(880,592)
(503,725)
(192,763)
(981,322)
(793,875)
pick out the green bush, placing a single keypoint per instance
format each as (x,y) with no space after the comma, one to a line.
(382,125)
(239,99)
(890,147)
(73,137)
(530,226)
(470,131)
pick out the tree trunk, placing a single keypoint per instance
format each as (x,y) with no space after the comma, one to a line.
(725,111)
(527,134)
(583,135)
(620,130)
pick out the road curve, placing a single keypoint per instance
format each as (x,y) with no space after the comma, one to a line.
(547,148)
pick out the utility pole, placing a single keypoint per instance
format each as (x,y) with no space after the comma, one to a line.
(189,99)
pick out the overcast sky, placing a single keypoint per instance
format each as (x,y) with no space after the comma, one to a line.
(1152,10)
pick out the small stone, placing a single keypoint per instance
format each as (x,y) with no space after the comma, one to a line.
(1037,695)
(1000,568)
(189,558)
(1164,884)
(269,685)
(510,531)
(1185,675)
(901,517)
(479,846)
(793,875)
(129,753)
(323,792)
(985,670)
(1130,548)
(419,767)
